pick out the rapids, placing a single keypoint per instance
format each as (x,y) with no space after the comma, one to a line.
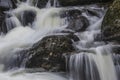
(94,62)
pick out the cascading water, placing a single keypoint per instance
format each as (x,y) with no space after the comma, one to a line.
(93,62)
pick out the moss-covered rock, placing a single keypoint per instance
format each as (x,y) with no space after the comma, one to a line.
(111,23)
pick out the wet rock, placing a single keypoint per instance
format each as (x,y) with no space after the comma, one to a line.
(80,2)
(76,21)
(49,53)
(73,37)
(111,23)
(73,14)
(27,17)
(116,50)
(79,24)
(39,3)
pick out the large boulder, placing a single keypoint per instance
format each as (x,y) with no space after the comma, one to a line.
(111,23)
(79,24)
(48,54)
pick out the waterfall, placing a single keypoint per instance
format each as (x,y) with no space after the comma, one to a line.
(42,23)
(92,66)
(95,61)
(28,24)
(54,4)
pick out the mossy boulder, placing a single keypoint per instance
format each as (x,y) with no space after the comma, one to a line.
(111,23)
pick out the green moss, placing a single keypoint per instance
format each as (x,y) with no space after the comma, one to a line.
(111,22)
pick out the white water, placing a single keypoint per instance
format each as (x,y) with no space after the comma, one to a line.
(94,61)
(55,3)
(48,20)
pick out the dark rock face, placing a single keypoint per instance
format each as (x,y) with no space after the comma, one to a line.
(111,23)
(27,17)
(49,53)
(80,2)
(41,3)
(77,22)
(116,50)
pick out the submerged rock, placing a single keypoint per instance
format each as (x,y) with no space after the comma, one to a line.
(111,23)
(27,17)
(76,21)
(79,24)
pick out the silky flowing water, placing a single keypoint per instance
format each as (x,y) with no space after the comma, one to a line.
(94,62)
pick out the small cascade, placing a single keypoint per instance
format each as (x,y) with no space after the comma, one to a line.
(83,67)
(94,61)
(116,60)
(92,66)
(12,22)
(52,3)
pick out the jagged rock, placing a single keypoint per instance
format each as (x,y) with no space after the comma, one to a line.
(80,2)
(111,23)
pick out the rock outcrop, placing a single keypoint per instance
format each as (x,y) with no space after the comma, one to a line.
(111,23)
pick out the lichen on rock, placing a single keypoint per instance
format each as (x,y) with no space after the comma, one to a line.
(111,23)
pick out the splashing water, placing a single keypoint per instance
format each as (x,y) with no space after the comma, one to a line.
(94,62)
